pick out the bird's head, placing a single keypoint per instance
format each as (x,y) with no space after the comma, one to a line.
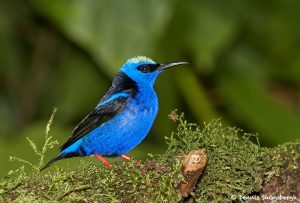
(144,70)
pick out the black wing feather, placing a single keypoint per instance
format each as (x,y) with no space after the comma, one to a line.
(103,113)
(96,118)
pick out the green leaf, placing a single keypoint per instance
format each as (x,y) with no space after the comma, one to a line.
(111,31)
(194,95)
(253,107)
(209,29)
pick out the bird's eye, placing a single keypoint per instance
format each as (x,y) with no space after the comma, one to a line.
(144,68)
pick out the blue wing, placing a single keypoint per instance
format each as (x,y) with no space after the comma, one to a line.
(104,112)
(113,102)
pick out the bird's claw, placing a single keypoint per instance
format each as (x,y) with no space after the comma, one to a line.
(127,158)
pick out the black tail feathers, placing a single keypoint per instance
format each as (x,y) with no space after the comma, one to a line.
(58,157)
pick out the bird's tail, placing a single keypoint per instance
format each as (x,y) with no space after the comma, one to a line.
(60,156)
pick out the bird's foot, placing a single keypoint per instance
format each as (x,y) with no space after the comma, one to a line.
(127,158)
(103,160)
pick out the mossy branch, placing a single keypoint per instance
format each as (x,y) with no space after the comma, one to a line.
(203,164)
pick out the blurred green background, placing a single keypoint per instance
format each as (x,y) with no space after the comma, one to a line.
(244,65)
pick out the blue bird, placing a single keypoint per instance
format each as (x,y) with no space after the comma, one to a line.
(122,118)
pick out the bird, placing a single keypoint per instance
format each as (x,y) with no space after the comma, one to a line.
(122,118)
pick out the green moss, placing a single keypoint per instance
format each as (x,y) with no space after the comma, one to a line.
(236,166)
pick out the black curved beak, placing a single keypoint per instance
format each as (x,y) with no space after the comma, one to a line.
(164,66)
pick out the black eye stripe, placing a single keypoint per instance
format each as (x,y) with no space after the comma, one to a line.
(147,68)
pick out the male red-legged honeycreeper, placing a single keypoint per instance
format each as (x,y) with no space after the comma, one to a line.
(122,118)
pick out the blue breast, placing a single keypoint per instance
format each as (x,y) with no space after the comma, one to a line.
(122,133)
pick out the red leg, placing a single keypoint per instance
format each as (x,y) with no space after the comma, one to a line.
(127,158)
(103,160)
